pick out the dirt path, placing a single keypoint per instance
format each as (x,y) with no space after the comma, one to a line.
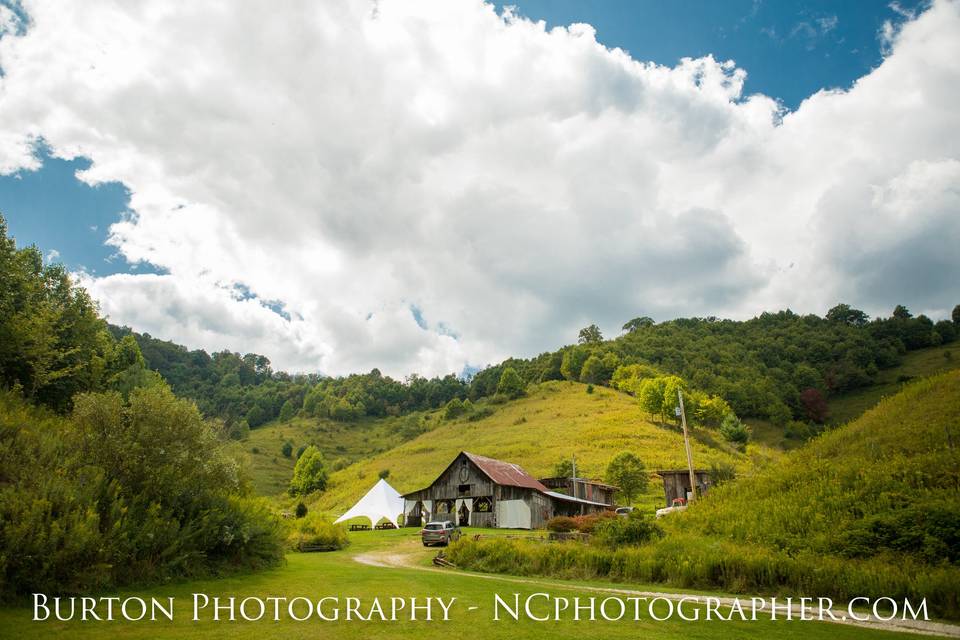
(394,560)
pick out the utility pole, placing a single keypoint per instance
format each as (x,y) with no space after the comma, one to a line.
(686,444)
(573,459)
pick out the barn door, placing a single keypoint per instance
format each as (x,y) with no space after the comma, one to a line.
(464,519)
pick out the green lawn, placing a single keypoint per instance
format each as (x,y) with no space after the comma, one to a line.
(338,574)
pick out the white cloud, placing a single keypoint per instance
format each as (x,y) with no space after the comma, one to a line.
(352,161)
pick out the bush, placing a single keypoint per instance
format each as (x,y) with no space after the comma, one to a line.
(587,523)
(453,409)
(316,530)
(561,524)
(384,474)
(301,510)
(287,449)
(480,414)
(635,529)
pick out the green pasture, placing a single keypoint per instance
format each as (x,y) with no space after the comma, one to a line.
(339,574)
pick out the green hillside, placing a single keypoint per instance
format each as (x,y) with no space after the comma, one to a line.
(887,482)
(340,442)
(869,509)
(916,364)
(555,421)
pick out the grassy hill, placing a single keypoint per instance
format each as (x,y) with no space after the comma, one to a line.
(341,444)
(555,421)
(869,509)
(894,471)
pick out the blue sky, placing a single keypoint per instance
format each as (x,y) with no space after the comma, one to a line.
(789,49)
(426,187)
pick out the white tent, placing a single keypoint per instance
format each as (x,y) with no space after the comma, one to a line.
(382,501)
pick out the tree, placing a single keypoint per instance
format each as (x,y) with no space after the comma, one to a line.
(590,335)
(256,416)
(287,449)
(814,405)
(288,410)
(384,474)
(563,468)
(627,472)
(310,473)
(733,430)
(670,402)
(946,330)
(593,371)
(638,323)
(650,396)
(900,312)
(847,315)
(510,385)
(956,315)
(572,362)
(453,409)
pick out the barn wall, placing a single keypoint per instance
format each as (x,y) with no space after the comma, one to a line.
(513,514)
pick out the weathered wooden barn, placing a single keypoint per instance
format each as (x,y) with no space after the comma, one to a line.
(590,490)
(477,491)
(676,483)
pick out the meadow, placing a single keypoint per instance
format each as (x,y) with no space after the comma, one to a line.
(554,422)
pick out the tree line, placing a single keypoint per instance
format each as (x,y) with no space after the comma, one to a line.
(106,477)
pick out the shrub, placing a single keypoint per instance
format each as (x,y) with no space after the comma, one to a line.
(589,388)
(453,409)
(480,414)
(316,530)
(384,474)
(301,510)
(561,524)
(635,529)
(287,449)
(587,523)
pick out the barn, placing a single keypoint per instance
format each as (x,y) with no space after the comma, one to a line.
(477,491)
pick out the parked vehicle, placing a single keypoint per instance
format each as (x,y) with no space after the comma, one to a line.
(623,512)
(442,533)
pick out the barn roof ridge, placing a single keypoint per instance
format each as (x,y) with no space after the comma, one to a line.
(505,473)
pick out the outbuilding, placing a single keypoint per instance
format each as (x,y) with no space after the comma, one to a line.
(478,491)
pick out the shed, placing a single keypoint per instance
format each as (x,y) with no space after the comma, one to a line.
(676,483)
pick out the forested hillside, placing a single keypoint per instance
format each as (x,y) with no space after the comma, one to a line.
(781,367)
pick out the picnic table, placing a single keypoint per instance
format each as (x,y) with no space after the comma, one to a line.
(359,527)
(386,525)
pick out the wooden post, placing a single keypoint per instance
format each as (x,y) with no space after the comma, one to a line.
(686,444)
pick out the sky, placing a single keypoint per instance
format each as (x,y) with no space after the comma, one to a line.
(431,187)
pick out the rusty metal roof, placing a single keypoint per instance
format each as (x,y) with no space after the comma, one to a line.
(505,473)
